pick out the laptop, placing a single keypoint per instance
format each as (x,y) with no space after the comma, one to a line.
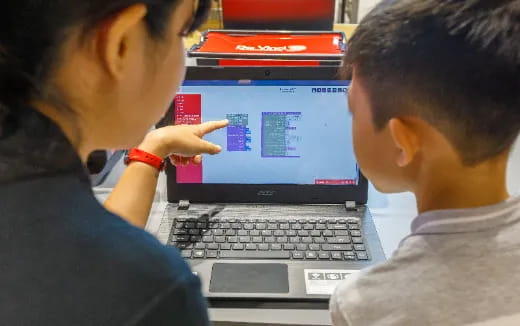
(280,215)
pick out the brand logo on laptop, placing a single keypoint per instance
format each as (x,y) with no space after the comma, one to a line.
(266,193)
(268,48)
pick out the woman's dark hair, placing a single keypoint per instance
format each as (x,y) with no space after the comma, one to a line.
(32,32)
(454,63)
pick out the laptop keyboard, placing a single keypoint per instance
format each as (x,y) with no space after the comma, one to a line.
(329,239)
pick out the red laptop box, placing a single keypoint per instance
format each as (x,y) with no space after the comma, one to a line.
(269,48)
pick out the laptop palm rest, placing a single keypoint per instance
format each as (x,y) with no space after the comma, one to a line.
(249,278)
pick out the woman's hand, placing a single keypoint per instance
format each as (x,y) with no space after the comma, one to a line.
(183,143)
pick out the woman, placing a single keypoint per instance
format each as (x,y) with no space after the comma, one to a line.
(76,76)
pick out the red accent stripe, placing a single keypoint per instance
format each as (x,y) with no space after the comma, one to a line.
(277,9)
(267,63)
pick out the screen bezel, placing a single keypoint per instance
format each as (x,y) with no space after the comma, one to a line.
(269,193)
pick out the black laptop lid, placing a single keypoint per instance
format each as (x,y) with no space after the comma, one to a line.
(289,138)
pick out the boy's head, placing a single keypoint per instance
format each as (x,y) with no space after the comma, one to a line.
(434,84)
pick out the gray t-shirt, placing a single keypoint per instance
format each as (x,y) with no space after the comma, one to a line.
(458,267)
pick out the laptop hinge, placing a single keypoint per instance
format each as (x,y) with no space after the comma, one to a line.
(351,205)
(183,205)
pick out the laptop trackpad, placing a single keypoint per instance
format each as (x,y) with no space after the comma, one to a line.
(249,278)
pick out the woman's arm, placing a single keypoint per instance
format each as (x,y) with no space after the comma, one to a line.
(133,196)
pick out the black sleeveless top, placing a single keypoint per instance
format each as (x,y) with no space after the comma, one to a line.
(64,259)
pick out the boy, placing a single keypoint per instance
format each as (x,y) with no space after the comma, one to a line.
(435,100)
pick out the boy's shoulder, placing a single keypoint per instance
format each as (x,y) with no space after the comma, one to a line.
(383,293)
(458,267)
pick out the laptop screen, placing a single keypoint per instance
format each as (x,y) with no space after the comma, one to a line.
(280,132)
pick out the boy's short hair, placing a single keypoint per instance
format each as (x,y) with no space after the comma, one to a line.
(453,63)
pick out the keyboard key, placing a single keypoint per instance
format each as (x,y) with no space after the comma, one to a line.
(355,233)
(180,238)
(284,226)
(314,247)
(328,233)
(225,246)
(294,240)
(232,220)
(336,255)
(311,255)
(301,247)
(307,240)
(261,226)
(359,247)
(212,246)
(189,225)
(319,240)
(289,246)
(220,239)
(232,239)
(180,232)
(180,219)
(338,227)
(290,233)
(282,239)
(254,233)
(257,239)
(200,246)
(308,227)
(341,233)
(342,221)
(296,226)
(182,245)
(218,232)
(194,232)
(354,227)
(297,255)
(315,233)
(276,246)
(362,255)
(244,239)
(214,225)
(201,225)
(313,221)
(336,247)
(208,239)
(332,221)
(269,239)
(249,226)
(238,246)
(211,254)
(340,240)
(271,226)
(186,253)
(263,246)
(350,255)
(357,240)
(261,220)
(323,255)
(250,246)
(302,221)
(242,233)
(198,253)
(255,254)
(266,233)
(236,226)
(279,233)
(231,232)
(303,233)
(225,225)
(195,238)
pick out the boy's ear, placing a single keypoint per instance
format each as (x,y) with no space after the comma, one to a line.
(406,140)
(116,36)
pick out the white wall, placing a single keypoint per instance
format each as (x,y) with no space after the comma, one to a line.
(365,6)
